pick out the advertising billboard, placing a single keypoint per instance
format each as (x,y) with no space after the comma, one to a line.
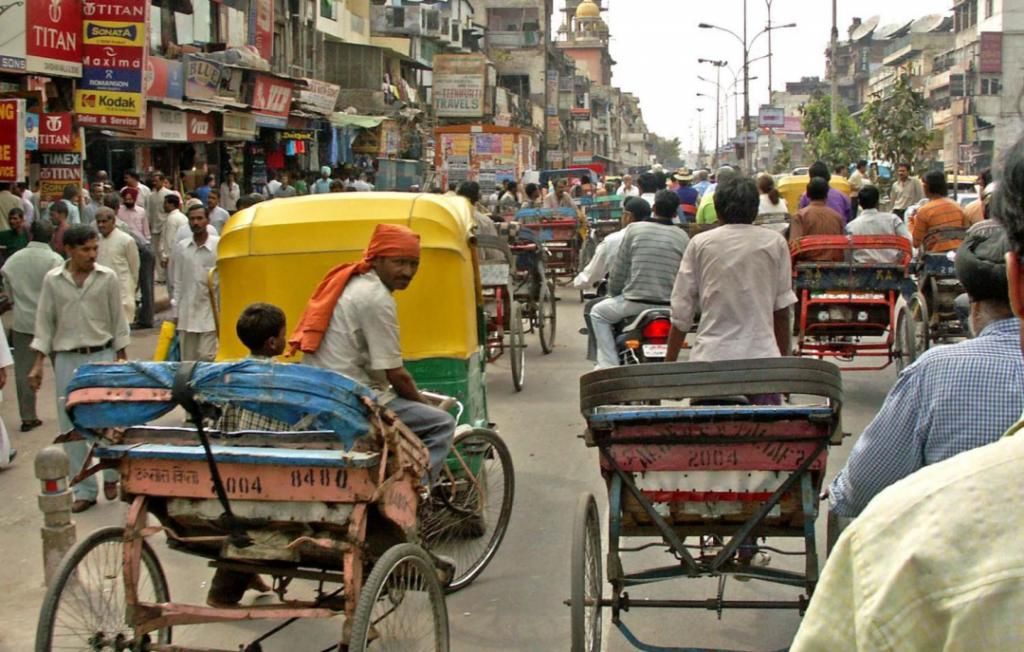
(459,85)
(114,47)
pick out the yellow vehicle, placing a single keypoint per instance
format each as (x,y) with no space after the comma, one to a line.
(792,187)
(278,251)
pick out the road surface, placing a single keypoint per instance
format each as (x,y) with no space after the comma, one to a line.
(517,604)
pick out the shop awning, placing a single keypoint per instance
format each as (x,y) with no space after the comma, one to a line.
(341,119)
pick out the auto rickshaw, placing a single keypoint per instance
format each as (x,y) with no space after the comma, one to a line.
(278,251)
(792,187)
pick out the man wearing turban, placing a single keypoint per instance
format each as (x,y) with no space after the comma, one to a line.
(350,325)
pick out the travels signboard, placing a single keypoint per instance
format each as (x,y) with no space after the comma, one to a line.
(12,140)
(53,37)
(112,92)
(459,85)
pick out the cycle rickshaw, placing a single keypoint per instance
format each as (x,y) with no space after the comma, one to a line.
(503,313)
(932,303)
(688,455)
(559,230)
(604,217)
(336,497)
(844,307)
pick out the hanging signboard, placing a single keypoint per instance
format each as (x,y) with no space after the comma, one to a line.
(168,125)
(114,53)
(771,117)
(202,78)
(165,79)
(991,56)
(12,140)
(200,128)
(53,37)
(271,100)
(57,170)
(238,126)
(261,27)
(459,84)
(56,132)
(12,38)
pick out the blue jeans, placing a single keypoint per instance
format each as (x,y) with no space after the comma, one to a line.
(434,427)
(604,316)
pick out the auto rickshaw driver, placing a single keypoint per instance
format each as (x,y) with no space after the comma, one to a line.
(350,325)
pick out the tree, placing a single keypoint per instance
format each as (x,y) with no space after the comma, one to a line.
(667,151)
(846,146)
(784,159)
(897,124)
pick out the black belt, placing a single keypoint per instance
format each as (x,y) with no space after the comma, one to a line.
(86,350)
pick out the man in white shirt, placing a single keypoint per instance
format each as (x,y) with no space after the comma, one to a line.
(273,185)
(635,210)
(79,321)
(193,310)
(218,216)
(740,278)
(230,192)
(628,189)
(168,237)
(119,252)
(23,275)
(156,211)
(871,221)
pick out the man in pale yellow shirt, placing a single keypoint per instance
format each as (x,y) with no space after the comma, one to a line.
(935,562)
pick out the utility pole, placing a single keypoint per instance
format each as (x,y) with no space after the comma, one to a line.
(700,138)
(746,92)
(769,5)
(835,71)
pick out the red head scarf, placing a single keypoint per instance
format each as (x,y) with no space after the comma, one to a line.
(130,192)
(388,241)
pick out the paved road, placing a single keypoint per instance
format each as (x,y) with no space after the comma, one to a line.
(517,603)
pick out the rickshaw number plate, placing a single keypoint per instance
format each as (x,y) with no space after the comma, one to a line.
(192,479)
(655,350)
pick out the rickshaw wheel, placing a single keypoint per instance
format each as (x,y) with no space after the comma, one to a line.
(586,576)
(85,606)
(401,606)
(468,512)
(547,318)
(904,345)
(517,347)
(922,326)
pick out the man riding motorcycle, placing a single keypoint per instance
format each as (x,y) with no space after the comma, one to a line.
(642,274)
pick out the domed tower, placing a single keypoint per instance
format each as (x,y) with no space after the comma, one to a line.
(585,37)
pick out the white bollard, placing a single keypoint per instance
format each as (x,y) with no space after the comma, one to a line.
(55,499)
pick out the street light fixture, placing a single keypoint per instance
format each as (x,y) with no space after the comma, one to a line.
(747,45)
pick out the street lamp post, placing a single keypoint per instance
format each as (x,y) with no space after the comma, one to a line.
(718,116)
(747,45)
(718,95)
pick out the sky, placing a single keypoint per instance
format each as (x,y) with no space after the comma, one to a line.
(656,44)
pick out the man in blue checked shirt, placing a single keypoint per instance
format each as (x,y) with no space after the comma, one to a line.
(954,398)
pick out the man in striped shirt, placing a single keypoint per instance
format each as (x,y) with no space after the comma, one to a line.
(642,274)
(940,224)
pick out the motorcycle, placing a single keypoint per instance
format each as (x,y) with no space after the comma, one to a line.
(644,338)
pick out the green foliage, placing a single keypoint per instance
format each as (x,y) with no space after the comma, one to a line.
(784,159)
(846,146)
(897,125)
(667,151)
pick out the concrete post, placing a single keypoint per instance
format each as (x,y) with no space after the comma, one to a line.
(55,499)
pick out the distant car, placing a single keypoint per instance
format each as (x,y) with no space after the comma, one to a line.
(801,171)
(966,198)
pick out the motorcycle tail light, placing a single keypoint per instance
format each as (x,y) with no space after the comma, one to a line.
(632,344)
(657,329)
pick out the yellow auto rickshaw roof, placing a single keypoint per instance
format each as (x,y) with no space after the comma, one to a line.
(793,186)
(278,251)
(343,222)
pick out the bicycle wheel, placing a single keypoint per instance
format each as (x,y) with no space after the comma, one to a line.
(586,577)
(904,346)
(84,608)
(517,347)
(922,323)
(468,512)
(401,607)
(547,318)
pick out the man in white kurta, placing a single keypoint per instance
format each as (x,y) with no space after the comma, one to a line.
(119,252)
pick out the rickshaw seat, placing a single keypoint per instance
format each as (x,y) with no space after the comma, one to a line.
(614,414)
(242,455)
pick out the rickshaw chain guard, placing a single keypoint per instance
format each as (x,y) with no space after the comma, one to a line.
(182,394)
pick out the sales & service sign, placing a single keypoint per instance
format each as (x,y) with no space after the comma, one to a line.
(114,53)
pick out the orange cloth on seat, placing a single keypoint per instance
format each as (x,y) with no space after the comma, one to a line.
(388,241)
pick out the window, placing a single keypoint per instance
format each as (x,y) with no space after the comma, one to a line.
(991,86)
(989,8)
